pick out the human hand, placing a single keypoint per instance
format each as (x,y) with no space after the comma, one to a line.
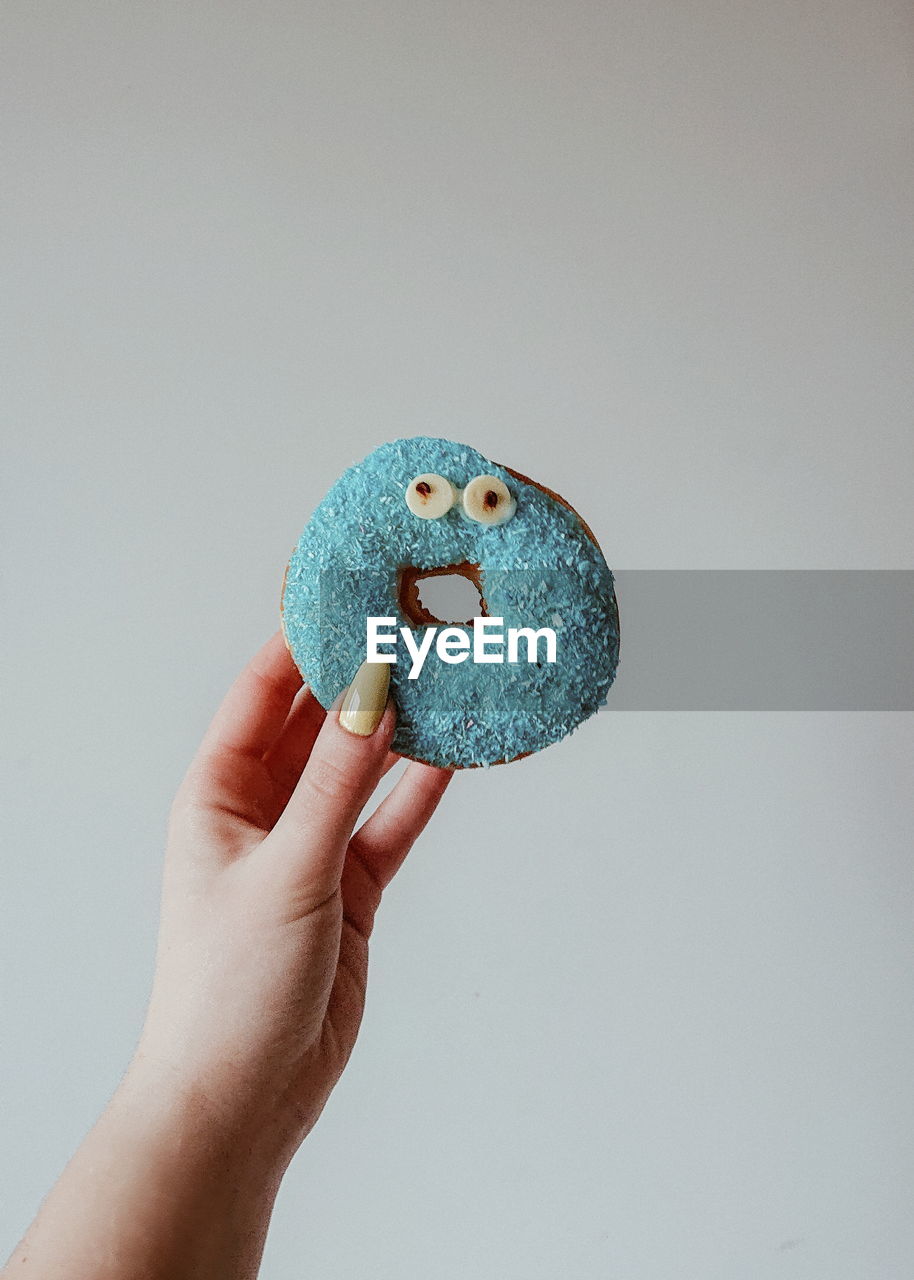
(269,900)
(268,903)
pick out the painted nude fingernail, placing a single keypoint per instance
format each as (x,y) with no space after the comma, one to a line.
(366,699)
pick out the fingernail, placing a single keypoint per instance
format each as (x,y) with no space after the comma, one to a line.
(366,698)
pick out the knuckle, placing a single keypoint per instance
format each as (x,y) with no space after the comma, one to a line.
(371,886)
(310,898)
(332,781)
(361,894)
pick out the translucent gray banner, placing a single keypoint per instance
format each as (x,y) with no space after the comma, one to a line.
(691,640)
(765,640)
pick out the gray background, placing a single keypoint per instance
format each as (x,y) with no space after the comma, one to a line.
(641,1005)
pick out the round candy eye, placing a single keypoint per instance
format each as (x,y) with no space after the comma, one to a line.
(430,496)
(487,500)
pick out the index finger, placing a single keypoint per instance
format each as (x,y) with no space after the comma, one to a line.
(254,710)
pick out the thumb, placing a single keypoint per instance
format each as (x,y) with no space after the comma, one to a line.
(306,849)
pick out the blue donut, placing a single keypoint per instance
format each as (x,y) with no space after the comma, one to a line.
(363,554)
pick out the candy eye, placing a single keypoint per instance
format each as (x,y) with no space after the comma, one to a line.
(487,500)
(430,496)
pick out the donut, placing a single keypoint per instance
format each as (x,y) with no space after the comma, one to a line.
(419,508)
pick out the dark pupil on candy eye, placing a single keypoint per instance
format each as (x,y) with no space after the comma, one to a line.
(423,489)
(491,500)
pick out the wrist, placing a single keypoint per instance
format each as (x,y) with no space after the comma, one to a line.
(179,1188)
(201,1130)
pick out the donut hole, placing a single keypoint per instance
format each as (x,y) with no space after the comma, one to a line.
(450,597)
(447,596)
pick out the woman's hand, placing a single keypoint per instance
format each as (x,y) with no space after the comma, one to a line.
(268,903)
(269,899)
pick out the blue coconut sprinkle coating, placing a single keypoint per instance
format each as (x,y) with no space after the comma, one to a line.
(538,569)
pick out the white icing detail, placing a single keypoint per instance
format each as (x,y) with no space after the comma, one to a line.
(434,499)
(488,500)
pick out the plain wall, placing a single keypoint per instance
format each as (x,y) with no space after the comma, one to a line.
(640,1005)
